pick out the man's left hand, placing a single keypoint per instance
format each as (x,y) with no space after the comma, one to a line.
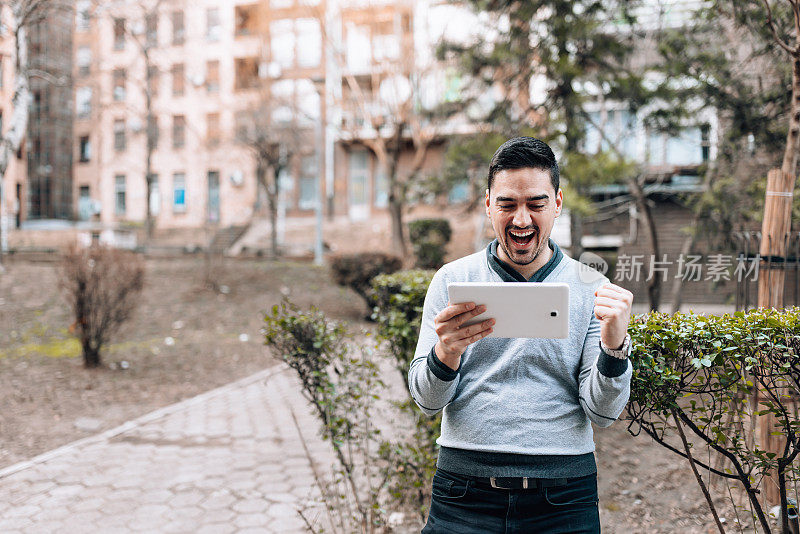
(612,306)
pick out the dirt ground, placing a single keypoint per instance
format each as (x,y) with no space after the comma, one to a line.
(185,339)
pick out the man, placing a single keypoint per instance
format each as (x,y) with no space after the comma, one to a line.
(516,449)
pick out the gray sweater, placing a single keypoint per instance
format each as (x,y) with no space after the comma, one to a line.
(520,407)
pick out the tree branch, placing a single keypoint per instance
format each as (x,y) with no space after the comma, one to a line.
(774,30)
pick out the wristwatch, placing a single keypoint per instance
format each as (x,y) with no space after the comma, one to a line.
(621,352)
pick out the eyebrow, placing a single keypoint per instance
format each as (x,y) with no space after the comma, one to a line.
(528,199)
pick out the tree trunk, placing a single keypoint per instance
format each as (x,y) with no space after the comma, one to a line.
(576,233)
(396,198)
(272,202)
(778,206)
(12,139)
(91,355)
(654,284)
(150,134)
(676,295)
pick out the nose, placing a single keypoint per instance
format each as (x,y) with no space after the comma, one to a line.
(522,217)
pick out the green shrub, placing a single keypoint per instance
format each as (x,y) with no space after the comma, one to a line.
(397,308)
(356,271)
(717,378)
(342,387)
(399,299)
(429,239)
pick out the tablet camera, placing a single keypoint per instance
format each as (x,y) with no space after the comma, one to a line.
(554,313)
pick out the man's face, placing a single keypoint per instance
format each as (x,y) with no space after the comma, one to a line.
(523,207)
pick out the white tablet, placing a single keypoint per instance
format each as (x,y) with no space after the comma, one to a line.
(520,309)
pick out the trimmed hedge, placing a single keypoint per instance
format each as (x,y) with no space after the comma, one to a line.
(356,271)
(429,239)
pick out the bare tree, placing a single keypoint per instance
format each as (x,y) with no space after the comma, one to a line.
(139,20)
(20,15)
(276,131)
(101,286)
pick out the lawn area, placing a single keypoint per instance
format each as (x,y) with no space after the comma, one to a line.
(184,339)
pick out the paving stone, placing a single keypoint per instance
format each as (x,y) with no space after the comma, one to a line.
(250,506)
(225,515)
(12,523)
(252,520)
(186,498)
(218,501)
(216,528)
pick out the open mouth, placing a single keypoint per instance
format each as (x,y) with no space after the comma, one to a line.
(520,238)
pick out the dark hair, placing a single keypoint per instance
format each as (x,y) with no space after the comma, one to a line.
(524,153)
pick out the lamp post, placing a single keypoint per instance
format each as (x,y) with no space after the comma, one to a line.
(319,84)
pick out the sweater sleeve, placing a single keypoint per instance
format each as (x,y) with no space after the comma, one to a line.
(604,380)
(432,384)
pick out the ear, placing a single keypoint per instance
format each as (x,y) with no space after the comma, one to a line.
(559,201)
(488,203)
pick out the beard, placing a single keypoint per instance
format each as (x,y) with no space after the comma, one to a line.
(518,254)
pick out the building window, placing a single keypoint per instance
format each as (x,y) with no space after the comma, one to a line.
(84,149)
(283,42)
(309,39)
(83,101)
(82,15)
(155,195)
(178,79)
(153,79)
(246,19)
(119,34)
(153,133)
(212,129)
(309,174)
(381,189)
(212,76)
(246,73)
(178,29)
(705,143)
(179,192)
(242,125)
(213,27)
(84,60)
(151,27)
(85,210)
(119,194)
(178,131)
(119,135)
(119,85)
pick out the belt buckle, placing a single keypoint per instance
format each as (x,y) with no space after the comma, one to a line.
(493,483)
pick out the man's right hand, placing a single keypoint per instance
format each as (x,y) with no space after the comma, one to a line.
(453,339)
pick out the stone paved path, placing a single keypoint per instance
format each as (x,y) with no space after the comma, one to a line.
(230,460)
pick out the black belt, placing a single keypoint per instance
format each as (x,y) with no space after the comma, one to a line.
(528,483)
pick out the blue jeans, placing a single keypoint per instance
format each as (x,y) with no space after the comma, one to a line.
(460,506)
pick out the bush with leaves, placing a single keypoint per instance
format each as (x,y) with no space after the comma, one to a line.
(714,379)
(102,286)
(342,388)
(398,300)
(429,238)
(356,271)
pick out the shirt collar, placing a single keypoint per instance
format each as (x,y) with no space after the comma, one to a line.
(509,274)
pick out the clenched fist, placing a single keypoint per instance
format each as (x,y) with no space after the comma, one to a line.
(612,307)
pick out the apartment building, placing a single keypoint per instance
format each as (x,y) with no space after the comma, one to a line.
(14,183)
(50,186)
(206,82)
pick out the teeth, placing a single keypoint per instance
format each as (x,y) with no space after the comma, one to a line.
(523,234)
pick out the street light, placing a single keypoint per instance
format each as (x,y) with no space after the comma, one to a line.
(319,84)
